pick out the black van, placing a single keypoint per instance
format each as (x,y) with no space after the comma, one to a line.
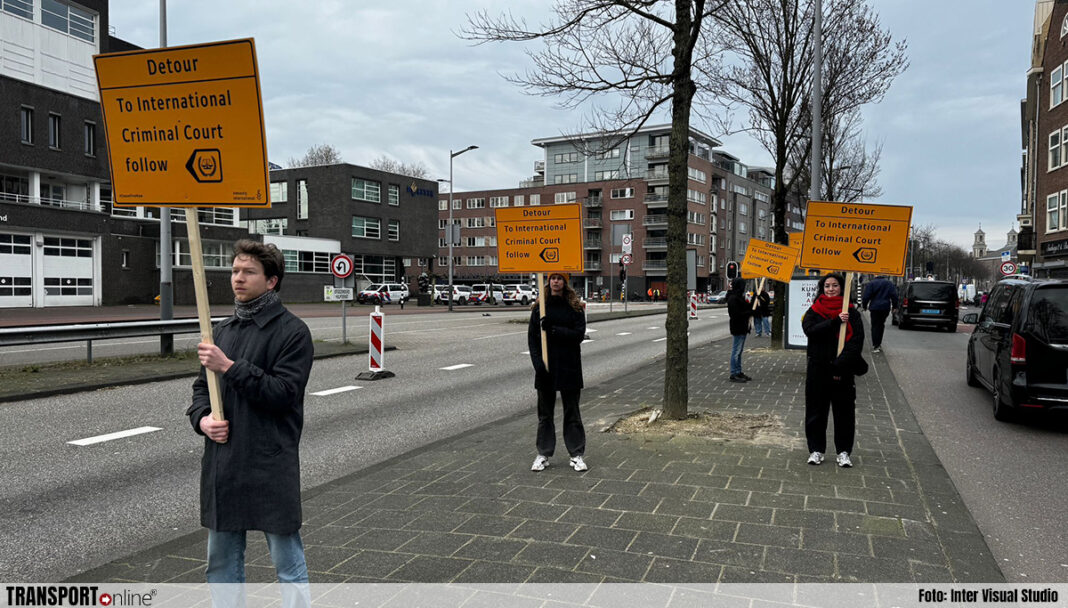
(1019,349)
(928,303)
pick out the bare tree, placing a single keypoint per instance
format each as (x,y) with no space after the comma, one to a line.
(850,170)
(389,165)
(768,75)
(641,54)
(321,154)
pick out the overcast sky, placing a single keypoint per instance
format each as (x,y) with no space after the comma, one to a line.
(391,78)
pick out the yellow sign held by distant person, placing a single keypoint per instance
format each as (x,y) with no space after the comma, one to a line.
(540,239)
(856,237)
(184,126)
(770,260)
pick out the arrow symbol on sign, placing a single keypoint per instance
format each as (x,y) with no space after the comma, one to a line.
(550,254)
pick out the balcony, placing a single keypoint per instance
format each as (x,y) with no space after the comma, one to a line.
(655,242)
(1025,241)
(591,222)
(658,152)
(591,266)
(593,201)
(655,220)
(654,267)
(51,202)
(656,201)
(656,175)
(591,244)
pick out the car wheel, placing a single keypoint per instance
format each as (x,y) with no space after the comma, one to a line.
(462,301)
(1002,411)
(969,372)
(526,301)
(902,324)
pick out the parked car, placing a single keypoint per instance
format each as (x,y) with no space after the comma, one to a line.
(1019,348)
(519,293)
(718,297)
(932,303)
(383,293)
(461,296)
(480,293)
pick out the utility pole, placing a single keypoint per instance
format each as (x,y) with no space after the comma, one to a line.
(166,257)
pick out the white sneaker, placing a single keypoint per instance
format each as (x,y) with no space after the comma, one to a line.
(578,463)
(815,458)
(844,461)
(539,463)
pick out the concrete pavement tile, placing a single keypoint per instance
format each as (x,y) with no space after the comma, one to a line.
(532,494)
(480,572)
(328,499)
(904,497)
(756,515)
(735,470)
(685,467)
(436,543)
(580,499)
(335,516)
(776,500)
(424,475)
(486,506)
(613,486)
(617,564)
(654,476)
(839,542)
(194,550)
(558,576)
(732,574)
(908,549)
(673,571)
(919,529)
(444,488)
(440,503)
(818,520)
(869,524)
(810,489)
(688,598)
(759,534)
(592,517)
(949,513)
(664,490)
(491,549)
(490,525)
(579,483)
(260,574)
(551,555)
(863,569)
(791,474)
(735,497)
(372,564)
(438,522)
(704,480)
(379,519)
(330,536)
(598,471)
(930,573)
(883,509)
(663,545)
(425,569)
(866,494)
(970,558)
(820,503)
(646,521)
(604,538)
(704,528)
(490,599)
(613,596)
(531,510)
(488,490)
(644,504)
(197,577)
(544,531)
(685,508)
(381,540)
(322,559)
(730,554)
(793,561)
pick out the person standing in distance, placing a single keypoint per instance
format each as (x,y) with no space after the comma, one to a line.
(880,297)
(762,314)
(829,384)
(564,324)
(250,471)
(738,309)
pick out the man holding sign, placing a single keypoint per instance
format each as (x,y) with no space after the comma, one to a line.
(250,472)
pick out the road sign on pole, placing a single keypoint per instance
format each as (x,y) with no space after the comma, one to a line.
(628,240)
(626,259)
(770,260)
(341,266)
(856,237)
(1008,268)
(540,239)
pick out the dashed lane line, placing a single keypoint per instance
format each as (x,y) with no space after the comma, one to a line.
(334,391)
(141,430)
(455,367)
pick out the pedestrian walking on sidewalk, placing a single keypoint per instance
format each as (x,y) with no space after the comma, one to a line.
(564,324)
(738,309)
(829,382)
(880,297)
(762,314)
(250,471)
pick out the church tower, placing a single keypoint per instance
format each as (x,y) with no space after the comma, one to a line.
(979,245)
(1010,238)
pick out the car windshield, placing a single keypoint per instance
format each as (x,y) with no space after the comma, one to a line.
(374,287)
(943,292)
(1049,314)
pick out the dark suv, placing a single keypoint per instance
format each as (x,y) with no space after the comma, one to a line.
(1019,349)
(928,303)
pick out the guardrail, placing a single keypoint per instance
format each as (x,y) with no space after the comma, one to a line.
(50,334)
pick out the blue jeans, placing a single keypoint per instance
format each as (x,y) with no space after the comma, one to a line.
(762,326)
(736,354)
(226,564)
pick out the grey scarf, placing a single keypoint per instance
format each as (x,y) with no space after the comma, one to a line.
(245,310)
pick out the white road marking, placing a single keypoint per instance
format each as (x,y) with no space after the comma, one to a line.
(623,333)
(659,339)
(526,352)
(454,367)
(590,329)
(654,328)
(335,391)
(141,430)
(514,333)
(587,341)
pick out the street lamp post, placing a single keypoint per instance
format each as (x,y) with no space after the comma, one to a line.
(449,233)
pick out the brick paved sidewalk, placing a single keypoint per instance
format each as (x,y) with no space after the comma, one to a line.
(670,509)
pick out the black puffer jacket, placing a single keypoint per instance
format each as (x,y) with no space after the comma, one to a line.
(567,330)
(738,309)
(823,343)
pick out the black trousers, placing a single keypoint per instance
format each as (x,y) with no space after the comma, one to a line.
(878,324)
(574,432)
(823,395)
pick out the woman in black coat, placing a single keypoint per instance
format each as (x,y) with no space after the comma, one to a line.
(829,382)
(564,324)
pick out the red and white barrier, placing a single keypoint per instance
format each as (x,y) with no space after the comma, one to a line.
(377,343)
(693,305)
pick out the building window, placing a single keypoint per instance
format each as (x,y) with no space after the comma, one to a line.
(279,192)
(268,226)
(603,175)
(696,174)
(695,196)
(307,261)
(622,192)
(1056,86)
(302,199)
(568,157)
(498,201)
(457,203)
(535,199)
(743,208)
(67,19)
(394,230)
(55,123)
(476,222)
(364,190)
(476,203)
(566,197)
(622,214)
(607,154)
(394,194)
(1054,150)
(19,8)
(569,178)
(27,125)
(517,200)
(90,139)
(741,227)
(366,227)
(443,204)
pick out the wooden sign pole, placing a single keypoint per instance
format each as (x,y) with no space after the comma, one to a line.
(845,308)
(541,315)
(200,287)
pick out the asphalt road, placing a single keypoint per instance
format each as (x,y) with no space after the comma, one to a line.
(1013,477)
(68,508)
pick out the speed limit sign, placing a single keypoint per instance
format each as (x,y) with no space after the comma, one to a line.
(1008,268)
(341,266)
(626,259)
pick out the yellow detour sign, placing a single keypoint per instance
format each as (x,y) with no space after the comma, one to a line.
(856,237)
(540,239)
(771,260)
(185,126)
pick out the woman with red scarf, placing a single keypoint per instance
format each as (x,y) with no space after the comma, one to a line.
(829,382)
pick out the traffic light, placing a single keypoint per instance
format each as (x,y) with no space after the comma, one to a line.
(732,270)
(424,282)
(622,273)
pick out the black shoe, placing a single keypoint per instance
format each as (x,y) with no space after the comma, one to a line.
(738,378)
(744,377)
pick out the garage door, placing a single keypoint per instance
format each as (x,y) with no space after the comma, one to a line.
(68,271)
(16,270)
